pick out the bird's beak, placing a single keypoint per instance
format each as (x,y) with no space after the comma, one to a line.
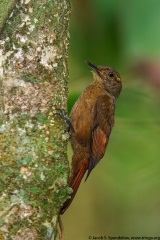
(94,67)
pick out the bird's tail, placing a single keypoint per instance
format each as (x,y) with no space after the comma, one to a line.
(74,183)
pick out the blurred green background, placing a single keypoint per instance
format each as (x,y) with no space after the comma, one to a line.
(122,195)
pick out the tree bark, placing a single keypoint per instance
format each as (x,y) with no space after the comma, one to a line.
(34,168)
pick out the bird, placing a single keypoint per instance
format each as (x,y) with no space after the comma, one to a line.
(91,121)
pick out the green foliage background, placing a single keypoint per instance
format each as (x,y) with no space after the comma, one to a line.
(122,196)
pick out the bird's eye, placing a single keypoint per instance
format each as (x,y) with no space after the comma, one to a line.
(111,74)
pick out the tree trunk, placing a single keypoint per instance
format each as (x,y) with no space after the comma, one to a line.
(33,140)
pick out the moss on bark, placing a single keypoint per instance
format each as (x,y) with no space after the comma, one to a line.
(33,140)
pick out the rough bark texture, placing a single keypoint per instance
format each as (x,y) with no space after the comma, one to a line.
(33,141)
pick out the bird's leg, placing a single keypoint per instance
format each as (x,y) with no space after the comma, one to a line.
(63,114)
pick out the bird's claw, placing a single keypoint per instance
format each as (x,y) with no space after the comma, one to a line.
(62,112)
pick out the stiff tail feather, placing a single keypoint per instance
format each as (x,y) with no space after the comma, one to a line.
(74,184)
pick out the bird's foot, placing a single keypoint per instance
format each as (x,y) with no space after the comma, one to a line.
(63,114)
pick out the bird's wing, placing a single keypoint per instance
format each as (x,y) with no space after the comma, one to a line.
(102,122)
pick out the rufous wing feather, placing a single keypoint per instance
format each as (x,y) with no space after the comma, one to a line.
(101,128)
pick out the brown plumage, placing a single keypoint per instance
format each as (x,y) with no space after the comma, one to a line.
(92,118)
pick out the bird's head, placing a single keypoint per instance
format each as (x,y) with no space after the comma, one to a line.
(108,77)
